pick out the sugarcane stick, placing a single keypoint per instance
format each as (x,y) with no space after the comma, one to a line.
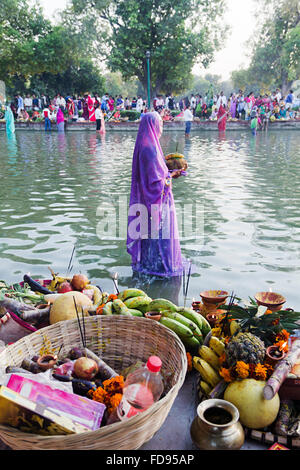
(36,314)
(105,371)
(281,371)
(218,390)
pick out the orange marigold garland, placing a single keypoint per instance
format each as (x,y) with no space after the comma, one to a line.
(110,394)
(242,369)
(189,362)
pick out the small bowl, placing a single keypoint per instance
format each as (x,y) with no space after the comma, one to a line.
(153,315)
(272,300)
(214,296)
(47,361)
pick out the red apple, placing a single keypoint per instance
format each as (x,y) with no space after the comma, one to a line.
(64,287)
(85,368)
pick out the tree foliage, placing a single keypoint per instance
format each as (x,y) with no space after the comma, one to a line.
(178,33)
(275,58)
(37,56)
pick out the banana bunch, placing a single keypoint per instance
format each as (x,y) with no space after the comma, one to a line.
(208,365)
(130,302)
(190,326)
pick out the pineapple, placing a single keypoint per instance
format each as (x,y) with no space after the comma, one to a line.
(245,347)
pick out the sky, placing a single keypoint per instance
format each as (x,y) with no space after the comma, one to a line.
(240,16)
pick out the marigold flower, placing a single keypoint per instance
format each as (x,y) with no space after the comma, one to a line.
(99,309)
(112,297)
(114,385)
(189,362)
(222,358)
(242,369)
(260,372)
(114,402)
(99,395)
(225,373)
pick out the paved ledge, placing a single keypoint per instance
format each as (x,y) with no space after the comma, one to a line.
(168,126)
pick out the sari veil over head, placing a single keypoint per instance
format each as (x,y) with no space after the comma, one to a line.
(152,235)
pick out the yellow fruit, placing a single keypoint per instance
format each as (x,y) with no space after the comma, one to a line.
(207,373)
(209,356)
(255,411)
(217,345)
(204,388)
(63,307)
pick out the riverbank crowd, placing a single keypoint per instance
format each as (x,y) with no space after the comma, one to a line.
(238,106)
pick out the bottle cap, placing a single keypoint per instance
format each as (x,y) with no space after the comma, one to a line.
(154,364)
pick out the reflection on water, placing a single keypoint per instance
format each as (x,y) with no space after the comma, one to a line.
(248,188)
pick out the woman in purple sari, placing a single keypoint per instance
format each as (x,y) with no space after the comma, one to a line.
(233,106)
(152,235)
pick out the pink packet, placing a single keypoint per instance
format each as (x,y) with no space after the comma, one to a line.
(82,410)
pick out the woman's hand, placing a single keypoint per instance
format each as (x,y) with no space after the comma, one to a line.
(176,173)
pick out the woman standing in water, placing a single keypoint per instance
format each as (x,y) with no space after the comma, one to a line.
(152,235)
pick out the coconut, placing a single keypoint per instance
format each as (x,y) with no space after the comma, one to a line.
(63,307)
(255,411)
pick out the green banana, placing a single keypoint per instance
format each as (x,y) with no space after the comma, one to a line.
(108,309)
(118,305)
(157,305)
(129,293)
(191,315)
(135,313)
(206,328)
(181,330)
(185,321)
(138,302)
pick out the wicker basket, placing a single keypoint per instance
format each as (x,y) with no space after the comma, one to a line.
(120,341)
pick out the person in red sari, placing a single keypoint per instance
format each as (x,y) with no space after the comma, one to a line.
(91,109)
(222,117)
(70,108)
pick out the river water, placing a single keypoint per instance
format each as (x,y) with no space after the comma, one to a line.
(241,197)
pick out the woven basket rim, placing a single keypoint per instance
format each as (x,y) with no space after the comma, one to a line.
(21,435)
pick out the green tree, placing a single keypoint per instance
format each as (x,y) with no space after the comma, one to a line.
(276,53)
(178,33)
(37,56)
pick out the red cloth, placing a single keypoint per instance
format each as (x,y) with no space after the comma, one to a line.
(91,109)
(222,118)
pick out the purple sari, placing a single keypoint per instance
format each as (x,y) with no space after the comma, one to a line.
(152,234)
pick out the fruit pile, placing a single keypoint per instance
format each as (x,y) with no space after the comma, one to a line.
(190,326)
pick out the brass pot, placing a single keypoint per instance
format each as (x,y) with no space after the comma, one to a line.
(217,426)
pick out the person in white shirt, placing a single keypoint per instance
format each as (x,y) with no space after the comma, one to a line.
(222,100)
(60,101)
(28,103)
(98,116)
(278,95)
(139,104)
(188,118)
(193,104)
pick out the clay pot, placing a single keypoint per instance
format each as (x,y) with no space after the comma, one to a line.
(213,318)
(217,426)
(216,297)
(271,300)
(153,315)
(47,361)
(273,359)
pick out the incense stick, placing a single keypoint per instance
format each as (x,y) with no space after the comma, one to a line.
(83,322)
(69,265)
(114,278)
(188,280)
(78,320)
